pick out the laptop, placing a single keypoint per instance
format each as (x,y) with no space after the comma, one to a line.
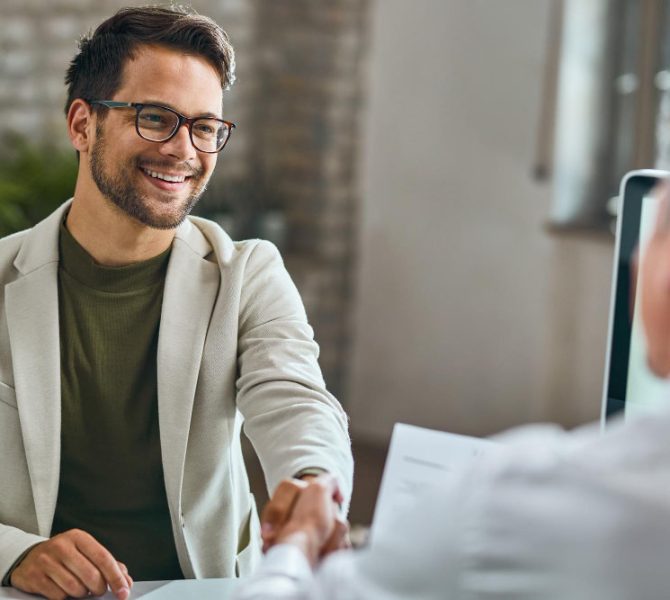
(630,388)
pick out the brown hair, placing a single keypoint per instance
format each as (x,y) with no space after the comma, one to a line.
(95,71)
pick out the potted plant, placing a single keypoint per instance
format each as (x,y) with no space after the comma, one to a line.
(34,181)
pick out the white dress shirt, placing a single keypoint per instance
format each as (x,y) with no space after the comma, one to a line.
(552,515)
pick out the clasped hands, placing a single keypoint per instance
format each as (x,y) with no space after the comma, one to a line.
(306,513)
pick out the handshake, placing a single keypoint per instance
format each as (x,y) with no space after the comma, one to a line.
(306,514)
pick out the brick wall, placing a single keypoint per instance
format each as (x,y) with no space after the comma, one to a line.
(306,144)
(289,172)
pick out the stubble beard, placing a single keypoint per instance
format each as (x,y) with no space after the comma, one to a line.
(119,189)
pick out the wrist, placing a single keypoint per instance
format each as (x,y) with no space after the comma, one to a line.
(7,580)
(306,539)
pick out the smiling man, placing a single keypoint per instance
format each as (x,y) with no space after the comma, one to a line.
(134,339)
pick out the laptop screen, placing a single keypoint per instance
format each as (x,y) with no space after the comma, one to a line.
(630,386)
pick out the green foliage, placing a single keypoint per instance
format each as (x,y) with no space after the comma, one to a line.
(34,181)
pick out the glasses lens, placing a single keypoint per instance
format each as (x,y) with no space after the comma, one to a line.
(155,123)
(209,135)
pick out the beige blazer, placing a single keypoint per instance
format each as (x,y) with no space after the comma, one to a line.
(234,345)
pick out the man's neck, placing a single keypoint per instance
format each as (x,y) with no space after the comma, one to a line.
(112,238)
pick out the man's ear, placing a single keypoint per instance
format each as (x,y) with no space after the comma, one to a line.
(80,125)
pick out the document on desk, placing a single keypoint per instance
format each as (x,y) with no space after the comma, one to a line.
(420,460)
(193,589)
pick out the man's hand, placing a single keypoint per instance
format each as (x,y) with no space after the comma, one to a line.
(278,509)
(73,564)
(655,300)
(306,514)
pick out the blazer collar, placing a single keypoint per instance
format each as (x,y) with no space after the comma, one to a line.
(40,245)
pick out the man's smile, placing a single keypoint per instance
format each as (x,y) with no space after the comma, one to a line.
(165,176)
(166,182)
(169,178)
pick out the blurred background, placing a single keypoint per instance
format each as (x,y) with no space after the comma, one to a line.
(440,176)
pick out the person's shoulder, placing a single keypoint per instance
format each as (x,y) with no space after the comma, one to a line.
(538,454)
(13,240)
(629,443)
(10,246)
(210,239)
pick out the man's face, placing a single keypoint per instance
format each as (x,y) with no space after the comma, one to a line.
(129,170)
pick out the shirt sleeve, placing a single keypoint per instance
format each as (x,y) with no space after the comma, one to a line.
(315,471)
(284,574)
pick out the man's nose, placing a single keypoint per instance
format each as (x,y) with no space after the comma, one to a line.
(179,145)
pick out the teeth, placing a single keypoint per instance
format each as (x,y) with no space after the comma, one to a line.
(170,178)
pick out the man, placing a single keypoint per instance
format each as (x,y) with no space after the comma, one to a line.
(552,515)
(133,339)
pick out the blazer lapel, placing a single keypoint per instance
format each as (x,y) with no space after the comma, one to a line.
(191,287)
(32,319)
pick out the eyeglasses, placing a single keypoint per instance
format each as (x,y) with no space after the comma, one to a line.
(156,123)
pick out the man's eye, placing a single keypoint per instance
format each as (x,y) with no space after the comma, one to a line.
(152,118)
(204,129)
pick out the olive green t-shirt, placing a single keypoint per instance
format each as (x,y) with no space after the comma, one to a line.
(111,478)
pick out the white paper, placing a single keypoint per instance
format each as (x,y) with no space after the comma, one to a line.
(420,460)
(194,589)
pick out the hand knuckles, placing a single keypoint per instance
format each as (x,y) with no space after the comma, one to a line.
(60,544)
(72,533)
(43,560)
(81,536)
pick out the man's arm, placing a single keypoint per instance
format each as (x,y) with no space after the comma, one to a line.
(293,422)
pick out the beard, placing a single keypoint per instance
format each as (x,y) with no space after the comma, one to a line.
(119,187)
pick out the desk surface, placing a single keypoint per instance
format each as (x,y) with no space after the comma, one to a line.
(191,589)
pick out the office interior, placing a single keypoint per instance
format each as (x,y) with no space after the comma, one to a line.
(439,175)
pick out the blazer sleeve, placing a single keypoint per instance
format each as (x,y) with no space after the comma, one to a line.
(14,544)
(293,422)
